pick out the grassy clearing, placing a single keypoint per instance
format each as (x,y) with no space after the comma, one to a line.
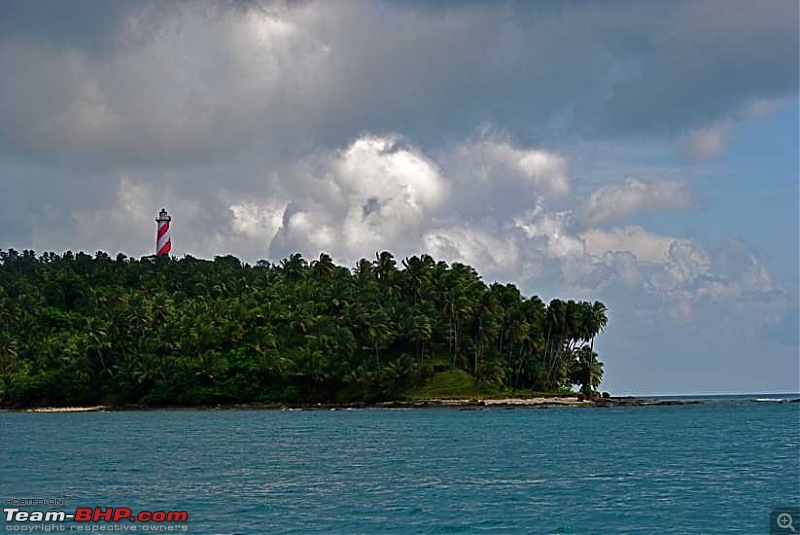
(451,384)
(458,384)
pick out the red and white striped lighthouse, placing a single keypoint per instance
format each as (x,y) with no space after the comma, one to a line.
(163,242)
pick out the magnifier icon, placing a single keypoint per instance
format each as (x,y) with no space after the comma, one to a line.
(784,521)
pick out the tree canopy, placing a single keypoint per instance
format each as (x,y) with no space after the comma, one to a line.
(81,329)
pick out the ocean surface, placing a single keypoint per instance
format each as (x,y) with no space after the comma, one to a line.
(707,468)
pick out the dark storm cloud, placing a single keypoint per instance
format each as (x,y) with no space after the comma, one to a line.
(184,83)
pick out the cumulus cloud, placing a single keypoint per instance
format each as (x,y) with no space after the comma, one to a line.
(552,232)
(645,246)
(492,177)
(545,171)
(375,192)
(616,202)
(382,192)
(684,266)
(498,255)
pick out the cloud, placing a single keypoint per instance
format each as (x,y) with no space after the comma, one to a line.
(492,177)
(616,202)
(498,255)
(356,201)
(186,83)
(380,192)
(543,170)
(707,142)
(127,225)
(552,232)
(643,245)
(475,203)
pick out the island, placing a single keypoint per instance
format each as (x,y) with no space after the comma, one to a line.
(80,330)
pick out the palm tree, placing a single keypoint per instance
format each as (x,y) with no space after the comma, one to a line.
(294,266)
(599,320)
(398,375)
(323,267)
(417,276)
(76,328)
(488,318)
(554,340)
(379,332)
(586,370)
(364,271)
(385,265)
(419,331)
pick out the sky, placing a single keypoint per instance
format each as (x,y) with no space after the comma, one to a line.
(642,153)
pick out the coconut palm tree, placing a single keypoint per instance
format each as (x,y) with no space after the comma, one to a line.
(294,267)
(322,269)
(586,370)
(418,330)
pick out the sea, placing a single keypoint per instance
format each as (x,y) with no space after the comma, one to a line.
(718,466)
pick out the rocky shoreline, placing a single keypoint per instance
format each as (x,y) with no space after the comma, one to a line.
(462,403)
(562,401)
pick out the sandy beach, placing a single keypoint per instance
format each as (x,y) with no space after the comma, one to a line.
(69,409)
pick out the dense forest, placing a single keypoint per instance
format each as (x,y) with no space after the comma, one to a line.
(79,329)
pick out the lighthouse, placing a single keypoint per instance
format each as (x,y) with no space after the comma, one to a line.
(163,242)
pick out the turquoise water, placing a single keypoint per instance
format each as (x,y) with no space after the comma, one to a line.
(717,468)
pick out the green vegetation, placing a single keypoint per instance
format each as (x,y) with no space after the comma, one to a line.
(77,329)
(453,384)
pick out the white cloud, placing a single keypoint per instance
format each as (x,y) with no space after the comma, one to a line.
(256,221)
(380,168)
(645,246)
(616,202)
(492,180)
(380,192)
(498,255)
(376,194)
(684,266)
(552,230)
(545,171)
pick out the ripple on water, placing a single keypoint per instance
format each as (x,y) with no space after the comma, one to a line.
(700,468)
